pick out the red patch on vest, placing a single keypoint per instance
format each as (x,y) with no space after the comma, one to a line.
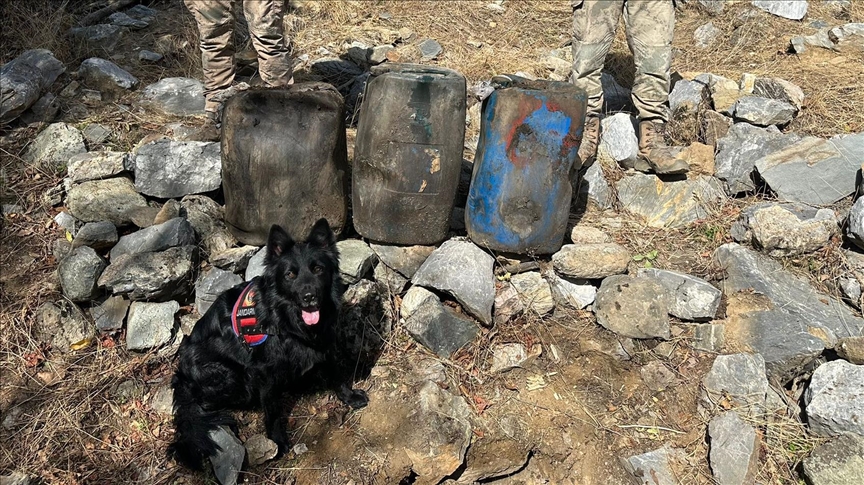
(243,319)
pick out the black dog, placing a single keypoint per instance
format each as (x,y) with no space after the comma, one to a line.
(257,341)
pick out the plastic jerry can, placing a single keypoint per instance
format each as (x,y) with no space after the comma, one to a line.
(520,194)
(284,161)
(408,153)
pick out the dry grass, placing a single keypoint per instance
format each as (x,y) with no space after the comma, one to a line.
(72,430)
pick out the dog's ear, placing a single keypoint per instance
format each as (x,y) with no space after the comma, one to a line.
(278,242)
(321,235)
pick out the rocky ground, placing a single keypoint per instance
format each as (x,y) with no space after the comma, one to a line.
(705,329)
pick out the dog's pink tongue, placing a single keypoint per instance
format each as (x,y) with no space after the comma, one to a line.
(310,318)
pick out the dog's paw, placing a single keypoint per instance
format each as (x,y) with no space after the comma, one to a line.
(357,399)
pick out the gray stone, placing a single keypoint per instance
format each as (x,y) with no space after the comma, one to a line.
(507,304)
(23,79)
(588,235)
(855,227)
(379,54)
(206,216)
(106,76)
(788,9)
(144,216)
(260,449)
(591,261)
(63,325)
(404,259)
(151,276)
(96,134)
(738,151)
(121,19)
(851,289)
(463,270)
(105,200)
(635,307)
(355,260)
(574,294)
(143,13)
(61,248)
(177,96)
(734,451)
(441,432)
(709,337)
(693,298)
(618,140)
(724,93)
(508,356)
(835,399)
(54,146)
(741,379)
(706,35)
(110,314)
(7,209)
(764,111)
(44,110)
(534,291)
(256,265)
(785,229)
(79,272)
(68,222)
(149,56)
(210,285)
(228,461)
(713,126)
(713,7)
(780,89)
(430,49)
(813,170)
(170,169)
(654,467)
(97,165)
(672,204)
(439,328)
(594,188)
(413,299)
(801,43)
(838,462)
(99,37)
(234,260)
(389,279)
(777,313)
(150,324)
(848,38)
(162,400)
(686,97)
(175,232)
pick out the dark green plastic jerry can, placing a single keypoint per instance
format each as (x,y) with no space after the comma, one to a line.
(408,153)
(284,161)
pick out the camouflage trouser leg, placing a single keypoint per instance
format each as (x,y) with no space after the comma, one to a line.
(594,25)
(649,33)
(650,25)
(267,30)
(216,30)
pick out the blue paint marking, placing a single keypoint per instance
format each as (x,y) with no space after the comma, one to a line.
(498,182)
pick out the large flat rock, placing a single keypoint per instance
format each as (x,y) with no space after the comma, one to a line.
(170,169)
(178,96)
(813,170)
(151,276)
(835,399)
(672,204)
(739,149)
(111,200)
(777,313)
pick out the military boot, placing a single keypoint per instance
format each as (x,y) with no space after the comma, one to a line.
(210,130)
(590,141)
(653,150)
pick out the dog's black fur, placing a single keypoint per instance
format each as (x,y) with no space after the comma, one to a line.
(217,372)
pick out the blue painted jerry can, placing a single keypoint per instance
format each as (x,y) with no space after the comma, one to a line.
(520,194)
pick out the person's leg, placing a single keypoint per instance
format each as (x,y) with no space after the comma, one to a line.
(594,25)
(650,25)
(215,28)
(265,19)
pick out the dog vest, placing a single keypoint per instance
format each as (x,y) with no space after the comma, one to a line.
(243,319)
